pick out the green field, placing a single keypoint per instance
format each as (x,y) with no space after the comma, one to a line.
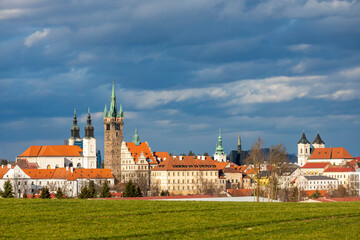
(103,219)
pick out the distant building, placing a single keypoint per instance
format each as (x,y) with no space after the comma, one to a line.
(336,156)
(306,183)
(238,156)
(315,168)
(98,159)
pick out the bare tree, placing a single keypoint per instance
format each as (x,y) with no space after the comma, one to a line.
(276,163)
(256,158)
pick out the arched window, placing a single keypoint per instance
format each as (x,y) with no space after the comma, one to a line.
(71,165)
(48,166)
(301,150)
(306,150)
(78,165)
(56,166)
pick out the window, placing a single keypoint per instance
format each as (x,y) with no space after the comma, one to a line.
(107,126)
(117,126)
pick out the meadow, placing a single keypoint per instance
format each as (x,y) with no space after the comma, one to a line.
(132,219)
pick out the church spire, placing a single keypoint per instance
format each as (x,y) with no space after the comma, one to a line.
(113,108)
(136,138)
(219,147)
(105,112)
(75,130)
(89,128)
(239,144)
(303,139)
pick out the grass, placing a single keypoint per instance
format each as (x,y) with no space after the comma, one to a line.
(101,219)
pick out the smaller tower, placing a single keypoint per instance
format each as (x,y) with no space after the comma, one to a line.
(89,145)
(75,131)
(303,150)
(219,155)
(136,138)
(239,144)
(318,142)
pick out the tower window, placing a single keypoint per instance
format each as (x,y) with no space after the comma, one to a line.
(107,126)
(117,126)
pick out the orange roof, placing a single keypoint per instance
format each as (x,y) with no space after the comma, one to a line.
(162,155)
(52,151)
(91,173)
(310,192)
(189,163)
(3,170)
(240,192)
(339,169)
(315,165)
(39,173)
(330,153)
(136,151)
(251,171)
(23,163)
(63,173)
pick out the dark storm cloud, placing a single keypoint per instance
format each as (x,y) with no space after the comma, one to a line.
(182,70)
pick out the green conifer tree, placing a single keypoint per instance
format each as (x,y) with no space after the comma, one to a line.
(59,193)
(130,189)
(84,192)
(45,193)
(8,190)
(92,190)
(105,190)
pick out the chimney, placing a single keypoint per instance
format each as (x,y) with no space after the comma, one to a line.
(198,157)
(202,157)
(2,166)
(180,158)
(67,168)
(72,169)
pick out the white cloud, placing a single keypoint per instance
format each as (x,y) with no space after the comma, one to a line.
(299,47)
(36,36)
(352,73)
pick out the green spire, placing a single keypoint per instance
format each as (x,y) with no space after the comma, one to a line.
(219,147)
(105,112)
(121,111)
(136,139)
(113,108)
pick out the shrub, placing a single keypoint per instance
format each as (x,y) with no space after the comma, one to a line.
(138,192)
(130,189)
(84,193)
(24,194)
(59,194)
(316,194)
(92,190)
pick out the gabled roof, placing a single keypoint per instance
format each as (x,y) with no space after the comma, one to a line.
(311,178)
(23,163)
(330,153)
(318,140)
(315,165)
(53,151)
(3,170)
(339,169)
(162,155)
(65,173)
(303,139)
(136,151)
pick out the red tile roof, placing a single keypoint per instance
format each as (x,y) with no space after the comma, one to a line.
(52,151)
(39,173)
(339,169)
(316,165)
(310,192)
(3,170)
(89,173)
(136,151)
(189,163)
(330,153)
(23,163)
(240,192)
(63,173)
(162,155)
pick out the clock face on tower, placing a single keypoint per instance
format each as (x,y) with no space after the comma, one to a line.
(117,126)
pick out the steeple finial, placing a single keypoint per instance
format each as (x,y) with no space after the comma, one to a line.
(136,138)
(75,130)
(113,108)
(89,128)
(239,144)
(219,147)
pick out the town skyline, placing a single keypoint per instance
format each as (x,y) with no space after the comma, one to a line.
(181,71)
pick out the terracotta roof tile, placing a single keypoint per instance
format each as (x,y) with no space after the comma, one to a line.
(52,151)
(136,151)
(189,163)
(3,170)
(339,169)
(316,165)
(330,153)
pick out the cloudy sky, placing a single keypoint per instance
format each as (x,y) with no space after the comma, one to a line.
(182,70)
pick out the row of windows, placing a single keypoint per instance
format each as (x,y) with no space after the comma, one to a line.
(192,181)
(135,167)
(206,173)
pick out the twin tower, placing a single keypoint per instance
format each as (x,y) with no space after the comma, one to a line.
(113,136)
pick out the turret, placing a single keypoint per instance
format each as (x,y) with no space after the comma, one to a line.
(239,144)
(136,138)
(89,128)
(219,155)
(318,142)
(75,130)
(303,150)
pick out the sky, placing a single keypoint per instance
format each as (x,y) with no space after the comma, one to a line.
(182,70)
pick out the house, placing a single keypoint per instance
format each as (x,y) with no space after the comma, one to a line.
(317,183)
(336,156)
(340,173)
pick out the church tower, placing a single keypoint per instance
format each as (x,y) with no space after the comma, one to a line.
(75,131)
(239,145)
(113,136)
(89,145)
(303,150)
(219,155)
(136,138)
(318,142)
